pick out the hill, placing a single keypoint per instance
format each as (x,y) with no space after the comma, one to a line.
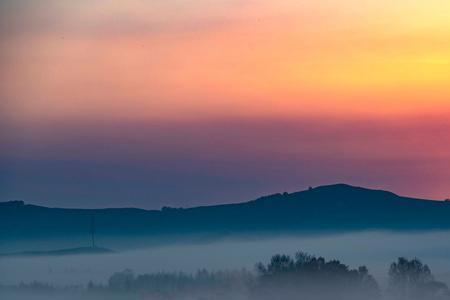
(337,207)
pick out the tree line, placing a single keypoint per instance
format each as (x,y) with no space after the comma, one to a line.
(303,276)
(283,277)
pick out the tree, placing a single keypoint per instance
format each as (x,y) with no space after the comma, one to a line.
(311,277)
(411,279)
(121,281)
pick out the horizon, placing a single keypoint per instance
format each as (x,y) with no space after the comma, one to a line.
(154,164)
(240,202)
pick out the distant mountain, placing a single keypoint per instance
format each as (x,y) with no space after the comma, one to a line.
(337,207)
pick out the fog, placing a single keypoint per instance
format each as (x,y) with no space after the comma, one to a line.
(376,250)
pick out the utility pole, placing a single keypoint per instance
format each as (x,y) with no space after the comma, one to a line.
(93,231)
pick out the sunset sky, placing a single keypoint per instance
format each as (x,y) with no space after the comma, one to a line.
(189,102)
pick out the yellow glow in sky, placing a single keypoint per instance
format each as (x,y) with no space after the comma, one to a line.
(172,59)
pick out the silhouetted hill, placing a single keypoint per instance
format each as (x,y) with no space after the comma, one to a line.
(327,208)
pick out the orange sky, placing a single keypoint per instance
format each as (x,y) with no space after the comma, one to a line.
(139,59)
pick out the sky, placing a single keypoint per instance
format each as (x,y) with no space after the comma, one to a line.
(195,102)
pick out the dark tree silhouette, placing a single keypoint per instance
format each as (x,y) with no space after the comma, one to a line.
(313,278)
(211,285)
(121,281)
(412,280)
